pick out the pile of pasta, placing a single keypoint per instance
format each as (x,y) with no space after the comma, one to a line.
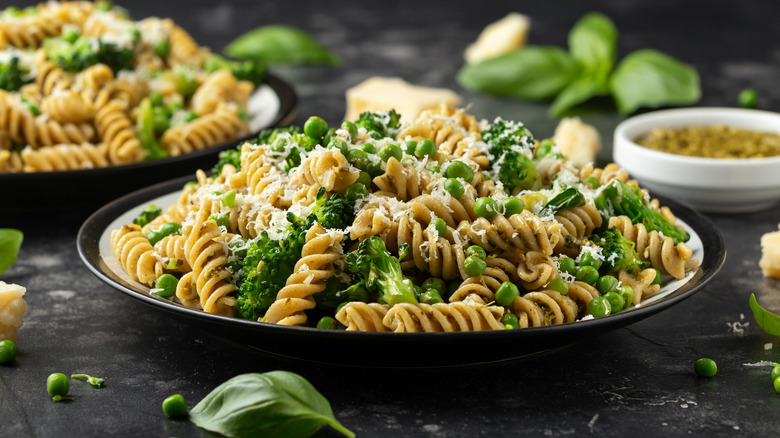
(524,248)
(62,119)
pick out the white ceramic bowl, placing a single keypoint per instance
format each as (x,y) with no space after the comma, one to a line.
(707,184)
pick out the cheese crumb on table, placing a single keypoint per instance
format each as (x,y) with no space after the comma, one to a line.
(578,141)
(12,310)
(505,35)
(770,254)
(386,93)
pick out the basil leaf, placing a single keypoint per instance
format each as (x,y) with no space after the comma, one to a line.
(649,78)
(576,93)
(10,242)
(277,403)
(534,73)
(765,319)
(593,42)
(280,44)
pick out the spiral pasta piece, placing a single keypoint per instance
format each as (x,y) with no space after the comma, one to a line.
(545,307)
(308,278)
(326,168)
(172,248)
(484,285)
(402,181)
(429,252)
(535,269)
(524,231)
(358,316)
(461,316)
(115,128)
(135,254)
(219,86)
(68,106)
(208,130)
(651,246)
(642,284)
(576,224)
(65,157)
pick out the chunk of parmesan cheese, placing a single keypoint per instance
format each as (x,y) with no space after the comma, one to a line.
(770,254)
(383,94)
(578,141)
(12,310)
(503,36)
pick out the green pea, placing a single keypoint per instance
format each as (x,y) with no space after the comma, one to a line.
(658,277)
(359,294)
(368,148)
(434,169)
(156,98)
(162,49)
(776,384)
(425,148)
(431,296)
(587,274)
(364,178)
(705,367)
(315,127)
(327,322)
(567,265)
(606,284)
(356,191)
(748,98)
(279,144)
(599,307)
(485,207)
(221,220)
(627,292)
(512,205)
(506,294)
(616,301)
(161,119)
(166,284)
(588,259)
(474,266)
(57,384)
(70,36)
(192,115)
(454,188)
(390,150)
(358,158)
(439,225)
(559,284)
(593,182)
(476,250)
(229,198)
(544,149)
(510,321)
(459,169)
(175,106)
(174,406)
(409,147)
(436,284)
(775,372)
(7,352)
(350,127)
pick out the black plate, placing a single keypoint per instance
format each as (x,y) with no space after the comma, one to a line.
(386,349)
(98,186)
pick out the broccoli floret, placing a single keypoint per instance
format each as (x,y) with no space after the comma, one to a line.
(565,200)
(336,211)
(85,52)
(266,266)
(372,265)
(12,75)
(621,199)
(509,148)
(228,156)
(147,215)
(246,70)
(619,253)
(380,124)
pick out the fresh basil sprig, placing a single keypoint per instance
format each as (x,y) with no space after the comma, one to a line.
(280,44)
(277,404)
(10,242)
(645,78)
(764,318)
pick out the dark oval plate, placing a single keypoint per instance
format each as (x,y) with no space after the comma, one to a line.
(98,186)
(386,349)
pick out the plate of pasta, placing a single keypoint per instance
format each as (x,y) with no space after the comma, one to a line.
(88,93)
(439,240)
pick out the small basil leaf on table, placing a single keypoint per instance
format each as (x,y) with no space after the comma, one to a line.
(593,42)
(765,319)
(277,404)
(579,91)
(10,242)
(280,44)
(649,78)
(534,73)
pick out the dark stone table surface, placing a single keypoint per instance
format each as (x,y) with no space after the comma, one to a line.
(636,380)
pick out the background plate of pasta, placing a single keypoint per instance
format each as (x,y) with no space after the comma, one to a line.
(87,92)
(385,241)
